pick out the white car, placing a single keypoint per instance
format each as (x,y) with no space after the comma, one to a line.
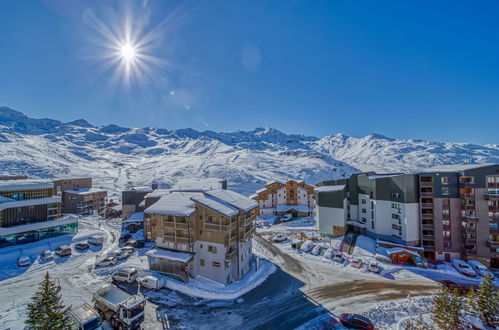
(151,282)
(107,261)
(374,267)
(316,250)
(463,267)
(118,254)
(23,261)
(329,253)
(279,238)
(128,275)
(96,240)
(480,268)
(306,246)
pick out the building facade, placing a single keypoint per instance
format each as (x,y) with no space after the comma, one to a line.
(205,233)
(459,210)
(79,197)
(29,212)
(382,206)
(277,198)
(131,200)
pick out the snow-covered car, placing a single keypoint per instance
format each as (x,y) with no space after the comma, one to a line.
(479,268)
(316,250)
(107,261)
(135,243)
(307,246)
(279,238)
(96,240)
(128,275)
(357,263)
(46,256)
(463,267)
(23,261)
(151,282)
(82,246)
(118,254)
(374,267)
(338,257)
(63,250)
(329,253)
(296,244)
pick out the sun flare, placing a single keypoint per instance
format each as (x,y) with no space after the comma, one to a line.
(128,52)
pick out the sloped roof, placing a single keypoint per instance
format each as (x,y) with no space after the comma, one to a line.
(234,199)
(216,205)
(85,191)
(28,202)
(176,204)
(299,208)
(10,185)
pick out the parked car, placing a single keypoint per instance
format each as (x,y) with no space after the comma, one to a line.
(107,261)
(463,267)
(63,250)
(316,250)
(84,317)
(356,321)
(23,261)
(329,253)
(128,249)
(125,238)
(82,246)
(96,240)
(357,263)
(46,256)
(307,246)
(374,267)
(420,262)
(151,282)
(135,243)
(479,268)
(118,254)
(296,244)
(128,275)
(279,238)
(338,257)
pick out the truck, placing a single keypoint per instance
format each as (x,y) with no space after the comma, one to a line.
(121,309)
(84,317)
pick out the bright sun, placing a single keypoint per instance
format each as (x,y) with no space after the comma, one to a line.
(128,52)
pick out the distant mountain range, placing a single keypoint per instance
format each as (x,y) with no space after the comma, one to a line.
(117,156)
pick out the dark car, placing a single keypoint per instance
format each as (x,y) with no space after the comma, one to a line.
(63,250)
(82,246)
(356,321)
(135,243)
(125,238)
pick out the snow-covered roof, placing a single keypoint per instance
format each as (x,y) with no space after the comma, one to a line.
(142,189)
(299,208)
(28,202)
(136,217)
(398,250)
(235,199)
(216,205)
(272,182)
(456,167)
(37,225)
(5,199)
(158,193)
(10,185)
(330,188)
(85,191)
(381,176)
(176,203)
(261,190)
(253,196)
(170,254)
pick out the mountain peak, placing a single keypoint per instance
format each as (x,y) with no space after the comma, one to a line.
(80,122)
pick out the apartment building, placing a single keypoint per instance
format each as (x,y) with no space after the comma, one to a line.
(382,206)
(205,233)
(131,200)
(278,198)
(29,212)
(459,210)
(79,197)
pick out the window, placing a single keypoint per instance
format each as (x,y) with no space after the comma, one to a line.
(372,224)
(201,262)
(364,210)
(445,190)
(201,233)
(396,216)
(372,204)
(363,201)
(372,214)
(445,212)
(444,180)
(212,249)
(215,264)
(395,195)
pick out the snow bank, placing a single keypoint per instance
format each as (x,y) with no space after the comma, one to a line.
(207,289)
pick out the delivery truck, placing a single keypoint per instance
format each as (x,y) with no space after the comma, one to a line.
(121,309)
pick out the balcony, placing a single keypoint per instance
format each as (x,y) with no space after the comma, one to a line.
(467,196)
(470,252)
(446,217)
(427,226)
(492,197)
(468,207)
(427,194)
(178,225)
(470,241)
(428,237)
(494,230)
(428,247)
(467,230)
(178,239)
(492,244)
(427,216)
(427,205)
(494,219)
(230,253)
(446,227)
(216,226)
(493,208)
(470,218)
(426,184)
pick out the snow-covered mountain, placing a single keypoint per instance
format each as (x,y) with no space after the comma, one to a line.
(117,155)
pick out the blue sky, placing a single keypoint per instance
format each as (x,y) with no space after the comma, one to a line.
(420,69)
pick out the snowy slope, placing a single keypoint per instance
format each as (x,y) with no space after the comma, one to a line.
(117,155)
